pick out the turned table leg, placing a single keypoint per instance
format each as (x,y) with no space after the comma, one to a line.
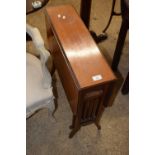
(76,126)
(101,109)
(73,122)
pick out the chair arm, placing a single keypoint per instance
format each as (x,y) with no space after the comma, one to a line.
(44,54)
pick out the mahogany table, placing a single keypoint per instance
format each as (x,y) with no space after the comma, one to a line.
(87,79)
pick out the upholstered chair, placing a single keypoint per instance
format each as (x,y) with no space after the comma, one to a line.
(39,93)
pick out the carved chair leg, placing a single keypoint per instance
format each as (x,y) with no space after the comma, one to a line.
(111,15)
(51,117)
(51,111)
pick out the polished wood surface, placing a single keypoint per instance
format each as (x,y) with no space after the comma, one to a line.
(29,7)
(77,59)
(80,49)
(70,84)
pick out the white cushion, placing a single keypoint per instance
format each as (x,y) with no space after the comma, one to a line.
(36,96)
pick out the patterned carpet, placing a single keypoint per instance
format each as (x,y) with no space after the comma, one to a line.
(45,137)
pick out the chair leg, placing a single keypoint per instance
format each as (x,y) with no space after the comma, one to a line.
(120,44)
(113,13)
(51,111)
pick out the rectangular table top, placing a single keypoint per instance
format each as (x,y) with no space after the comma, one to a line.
(81,52)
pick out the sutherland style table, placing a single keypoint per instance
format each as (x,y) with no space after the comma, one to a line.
(85,75)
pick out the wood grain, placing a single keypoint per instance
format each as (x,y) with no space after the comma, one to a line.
(79,47)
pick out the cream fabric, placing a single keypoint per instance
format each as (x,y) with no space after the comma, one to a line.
(39,92)
(36,96)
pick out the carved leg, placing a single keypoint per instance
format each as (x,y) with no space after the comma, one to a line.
(98,38)
(85,10)
(76,127)
(98,126)
(113,13)
(110,18)
(51,110)
(99,116)
(73,122)
(73,132)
